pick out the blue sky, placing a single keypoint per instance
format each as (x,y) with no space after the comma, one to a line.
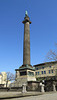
(43,31)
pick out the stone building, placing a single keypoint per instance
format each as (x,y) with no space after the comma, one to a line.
(3,79)
(46,70)
(47,74)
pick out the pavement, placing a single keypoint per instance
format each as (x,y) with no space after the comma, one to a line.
(10,95)
(48,96)
(28,95)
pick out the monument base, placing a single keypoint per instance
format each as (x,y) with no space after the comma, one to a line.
(24,74)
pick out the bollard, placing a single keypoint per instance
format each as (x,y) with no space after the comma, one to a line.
(42,87)
(24,88)
(54,88)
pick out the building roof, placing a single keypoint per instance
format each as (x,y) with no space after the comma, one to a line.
(52,62)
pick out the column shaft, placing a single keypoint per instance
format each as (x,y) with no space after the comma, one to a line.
(26,49)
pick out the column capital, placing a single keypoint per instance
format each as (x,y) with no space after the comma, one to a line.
(26,19)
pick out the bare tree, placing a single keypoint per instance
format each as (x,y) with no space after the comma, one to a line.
(10,77)
(52,55)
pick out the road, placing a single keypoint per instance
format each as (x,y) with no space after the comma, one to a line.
(48,96)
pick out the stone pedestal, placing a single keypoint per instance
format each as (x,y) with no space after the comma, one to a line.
(54,88)
(24,88)
(42,87)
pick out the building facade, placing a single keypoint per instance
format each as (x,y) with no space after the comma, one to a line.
(46,70)
(3,79)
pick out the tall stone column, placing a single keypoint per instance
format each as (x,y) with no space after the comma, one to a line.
(24,74)
(26,46)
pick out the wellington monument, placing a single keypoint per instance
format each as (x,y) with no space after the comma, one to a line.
(26,72)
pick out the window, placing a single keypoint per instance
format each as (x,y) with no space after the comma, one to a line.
(36,68)
(49,71)
(52,71)
(30,73)
(50,66)
(38,73)
(44,72)
(42,67)
(23,73)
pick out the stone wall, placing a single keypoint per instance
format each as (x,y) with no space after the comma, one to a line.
(33,86)
(49,85)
